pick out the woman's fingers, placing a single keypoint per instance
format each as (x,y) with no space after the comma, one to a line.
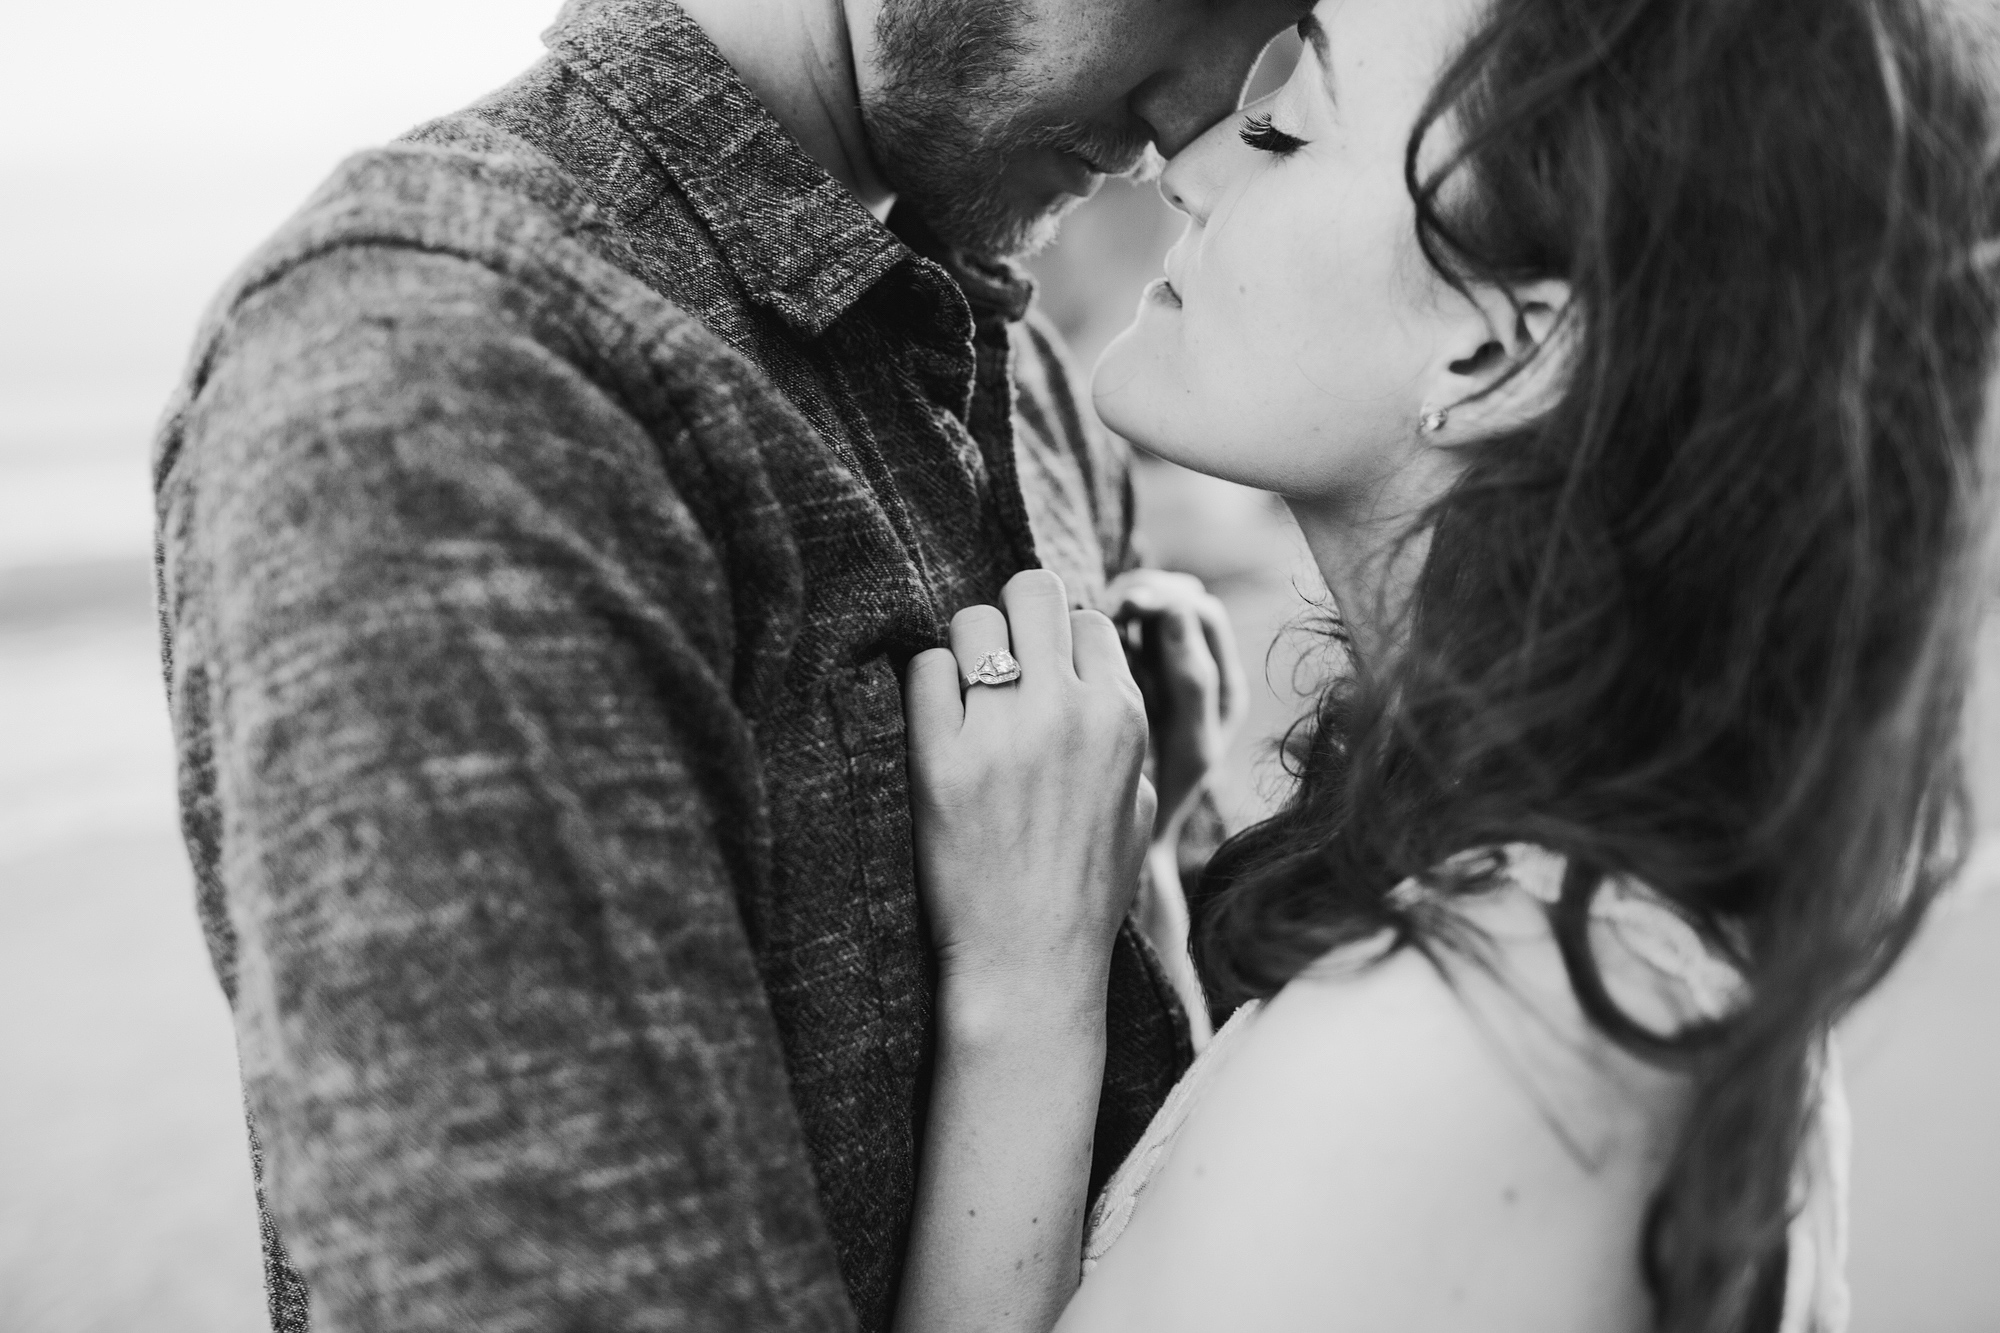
(1179,609)
(975,632)
(932,705)
(1145,812)
(1038,619)
(1187,665)
(1199,648)
(1221,636)
(1098,649)
(1187,659)
(1146,592)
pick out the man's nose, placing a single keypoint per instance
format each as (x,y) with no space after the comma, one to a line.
(1180,102)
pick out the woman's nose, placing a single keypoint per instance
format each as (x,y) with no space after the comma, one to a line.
(1199,172)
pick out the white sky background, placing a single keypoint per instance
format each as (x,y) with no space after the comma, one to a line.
(171,75)
(146,146)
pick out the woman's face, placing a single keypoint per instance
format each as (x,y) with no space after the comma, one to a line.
(1299,335)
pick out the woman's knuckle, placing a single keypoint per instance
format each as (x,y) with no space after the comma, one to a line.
(971,617)
(1074,719)
(1120,723)
(1038,583)
(1097,699)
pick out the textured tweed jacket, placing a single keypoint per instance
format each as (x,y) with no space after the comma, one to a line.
(545,519)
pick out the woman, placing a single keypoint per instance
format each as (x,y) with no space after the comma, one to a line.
(1623,362)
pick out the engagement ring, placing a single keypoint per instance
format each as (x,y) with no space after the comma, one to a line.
(994,669)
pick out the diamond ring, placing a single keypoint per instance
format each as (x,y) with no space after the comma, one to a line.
(994,669)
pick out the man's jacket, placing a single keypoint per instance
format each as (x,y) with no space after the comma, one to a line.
(545,520)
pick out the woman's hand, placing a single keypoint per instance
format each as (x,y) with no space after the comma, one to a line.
(1191,677)
(1032,813)
(1032,819)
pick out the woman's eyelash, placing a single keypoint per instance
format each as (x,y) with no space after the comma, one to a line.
(1261,134)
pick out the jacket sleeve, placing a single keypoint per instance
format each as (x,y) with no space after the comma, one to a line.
(484,807)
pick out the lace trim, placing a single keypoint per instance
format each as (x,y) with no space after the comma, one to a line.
(1647,926)
(1113,1210)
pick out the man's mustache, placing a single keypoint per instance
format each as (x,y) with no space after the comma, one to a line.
(1110,154)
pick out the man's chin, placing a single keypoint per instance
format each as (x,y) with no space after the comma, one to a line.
(1038,228)
(996,226)
(1018,209)
(979,197)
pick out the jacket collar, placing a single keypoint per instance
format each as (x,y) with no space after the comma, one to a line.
(797,240)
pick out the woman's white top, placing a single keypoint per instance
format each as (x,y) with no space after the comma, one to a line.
(1659,970)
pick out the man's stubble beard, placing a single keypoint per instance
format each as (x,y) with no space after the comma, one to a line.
(950,116)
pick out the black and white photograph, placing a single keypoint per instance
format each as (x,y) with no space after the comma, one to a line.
(1000,666)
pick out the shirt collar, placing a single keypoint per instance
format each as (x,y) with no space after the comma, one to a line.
(798,240)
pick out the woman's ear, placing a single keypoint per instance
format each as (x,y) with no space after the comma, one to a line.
(1508,366)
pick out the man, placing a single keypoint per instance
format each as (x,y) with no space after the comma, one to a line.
(545,521)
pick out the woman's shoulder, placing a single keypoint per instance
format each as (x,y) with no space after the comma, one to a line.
(1370,1142)
(1363,1151)
(1495,978)
(1442,1135)
(1495,963)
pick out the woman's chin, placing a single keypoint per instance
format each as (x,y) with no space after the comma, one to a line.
(1145,392)
(1126,388)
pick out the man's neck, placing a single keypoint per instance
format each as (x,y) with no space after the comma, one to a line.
(797,58)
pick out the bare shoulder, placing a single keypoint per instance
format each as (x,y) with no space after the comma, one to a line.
(1369,1160)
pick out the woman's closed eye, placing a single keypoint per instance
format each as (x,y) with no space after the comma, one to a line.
(1262,135)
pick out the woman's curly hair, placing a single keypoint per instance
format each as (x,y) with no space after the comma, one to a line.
(1708,622)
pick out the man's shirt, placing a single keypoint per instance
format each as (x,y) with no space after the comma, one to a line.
(546,518)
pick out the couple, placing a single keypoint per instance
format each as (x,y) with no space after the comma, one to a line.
(670,840)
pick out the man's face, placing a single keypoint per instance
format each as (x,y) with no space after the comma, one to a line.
(993,117)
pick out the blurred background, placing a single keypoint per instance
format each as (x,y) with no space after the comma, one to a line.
(144,150)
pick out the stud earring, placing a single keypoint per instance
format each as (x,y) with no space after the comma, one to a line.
(1433,422)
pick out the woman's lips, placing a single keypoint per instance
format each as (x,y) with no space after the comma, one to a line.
(1162,292)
